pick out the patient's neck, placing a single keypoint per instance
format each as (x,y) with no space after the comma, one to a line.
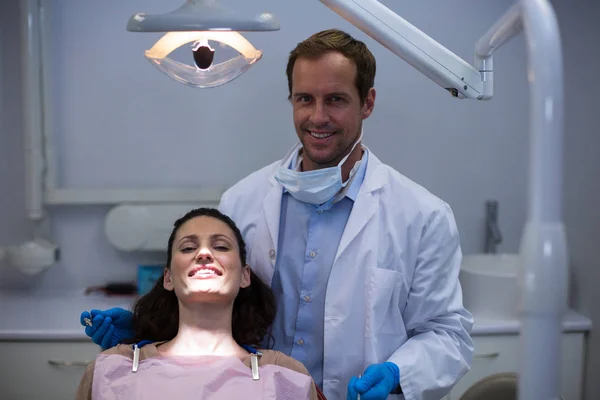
(204,329)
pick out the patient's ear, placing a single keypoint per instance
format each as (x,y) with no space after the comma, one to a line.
(245,281)
(168,279)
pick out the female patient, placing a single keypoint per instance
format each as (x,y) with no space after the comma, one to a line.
(196,331)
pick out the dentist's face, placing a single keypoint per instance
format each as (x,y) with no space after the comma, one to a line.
(206,264)
(328,113)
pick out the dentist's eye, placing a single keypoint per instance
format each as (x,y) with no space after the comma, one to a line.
(205,71)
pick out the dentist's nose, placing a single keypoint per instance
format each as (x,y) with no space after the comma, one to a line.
(319,115)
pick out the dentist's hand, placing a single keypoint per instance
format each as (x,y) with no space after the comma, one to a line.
(378,381)
(109,327)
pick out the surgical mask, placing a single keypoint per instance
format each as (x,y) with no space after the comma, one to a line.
(204,74)
(315,187)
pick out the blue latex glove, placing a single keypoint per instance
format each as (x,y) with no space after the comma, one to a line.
(377,383)
(109,328)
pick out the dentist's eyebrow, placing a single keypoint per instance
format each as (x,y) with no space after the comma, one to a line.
(300,94)
(338,94)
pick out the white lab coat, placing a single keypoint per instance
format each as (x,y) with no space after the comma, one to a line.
(393,293)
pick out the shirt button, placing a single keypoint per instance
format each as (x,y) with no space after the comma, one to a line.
(272,253)
(320,212)
(300,342)
(307,298)
(312,254)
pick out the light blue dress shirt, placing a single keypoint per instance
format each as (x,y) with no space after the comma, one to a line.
(308,240)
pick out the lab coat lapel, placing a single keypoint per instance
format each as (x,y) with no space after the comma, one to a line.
(272,211)
(272,208)
(363,210)
(365,206)
(267,232)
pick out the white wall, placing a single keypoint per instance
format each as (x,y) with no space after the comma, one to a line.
(119,122)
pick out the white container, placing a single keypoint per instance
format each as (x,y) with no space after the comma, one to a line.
(490,285)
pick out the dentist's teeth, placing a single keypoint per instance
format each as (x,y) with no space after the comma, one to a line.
(320,135)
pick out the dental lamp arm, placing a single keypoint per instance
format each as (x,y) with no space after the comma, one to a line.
(416,48)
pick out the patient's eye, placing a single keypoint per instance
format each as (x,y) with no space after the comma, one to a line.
(187,248)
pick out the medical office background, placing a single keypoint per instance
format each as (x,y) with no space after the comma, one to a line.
(117,122)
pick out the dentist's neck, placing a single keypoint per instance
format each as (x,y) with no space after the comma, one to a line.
(350,161)
(204,329)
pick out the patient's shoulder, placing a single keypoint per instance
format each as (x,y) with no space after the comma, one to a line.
(278,358)
(120,349)
(126,350)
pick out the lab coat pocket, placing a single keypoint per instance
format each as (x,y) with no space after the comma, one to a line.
(384,300)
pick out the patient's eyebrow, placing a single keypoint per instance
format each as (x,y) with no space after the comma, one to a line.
(213,236)
(192,236)
(219,236)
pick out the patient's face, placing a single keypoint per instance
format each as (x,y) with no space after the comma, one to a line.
(206,265)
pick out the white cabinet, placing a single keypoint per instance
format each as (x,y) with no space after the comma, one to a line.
(496,354)
(43,370)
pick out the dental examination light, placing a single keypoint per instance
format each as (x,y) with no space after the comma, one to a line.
(197,22)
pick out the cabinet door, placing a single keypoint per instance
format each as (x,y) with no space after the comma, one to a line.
(43,370)
(497,354)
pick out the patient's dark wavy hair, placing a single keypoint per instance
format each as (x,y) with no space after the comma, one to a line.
(156,314)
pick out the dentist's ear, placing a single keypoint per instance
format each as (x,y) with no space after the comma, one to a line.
(369,104)
(245,282)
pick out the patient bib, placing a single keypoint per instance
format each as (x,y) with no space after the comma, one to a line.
(206,377)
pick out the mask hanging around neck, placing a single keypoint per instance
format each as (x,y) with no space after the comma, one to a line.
(317,186)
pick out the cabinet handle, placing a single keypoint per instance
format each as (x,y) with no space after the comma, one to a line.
(485,356)
(69,363)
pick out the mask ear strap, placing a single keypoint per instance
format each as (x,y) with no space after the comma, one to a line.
(352,149)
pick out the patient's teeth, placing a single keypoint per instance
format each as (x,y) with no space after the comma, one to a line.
(205,272)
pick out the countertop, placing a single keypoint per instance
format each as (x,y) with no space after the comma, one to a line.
(55,316)
(572,322)
(52,315)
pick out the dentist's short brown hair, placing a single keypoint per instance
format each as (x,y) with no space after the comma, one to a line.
(335,40)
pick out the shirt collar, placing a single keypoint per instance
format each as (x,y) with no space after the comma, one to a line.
(356,181)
